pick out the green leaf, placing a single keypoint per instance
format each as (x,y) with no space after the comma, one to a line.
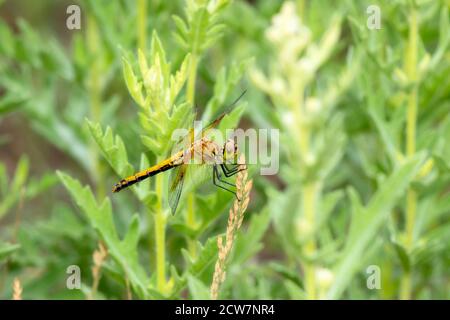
(179,118)
(201,29)
(197,289)
(385,134)
(249,243)
(287,273)
(206,257)
(152,144)
(366,221)
(225,85)
(62,135)
(16,190)
(20,175)
(11,102)
(294,290)
(100,216)
(7,44)
(112,148)
(434,244)
(444,37)
(133,85)
(37,186)
(158,56)
(281,207)
(6,249)
(403,256)
(182,29)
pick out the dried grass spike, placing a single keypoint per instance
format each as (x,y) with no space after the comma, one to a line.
(235,219)
(17,289)
(99,256)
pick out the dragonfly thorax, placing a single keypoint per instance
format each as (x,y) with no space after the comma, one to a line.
(202,151)
(207,151)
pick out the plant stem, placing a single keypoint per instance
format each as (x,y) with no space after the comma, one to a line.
(94,288)
(160,238)
(94,90)
(411,198)
(190,91)
(192,223)
(310,189)
(142,24)
(310,192)
(190,96)
(411,70)
(301,8)
(158,216)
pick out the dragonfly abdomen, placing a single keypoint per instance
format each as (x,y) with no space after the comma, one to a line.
(142,175)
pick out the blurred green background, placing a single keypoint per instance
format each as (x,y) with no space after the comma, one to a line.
(360,94)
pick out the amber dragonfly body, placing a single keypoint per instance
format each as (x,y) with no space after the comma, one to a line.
(204,151)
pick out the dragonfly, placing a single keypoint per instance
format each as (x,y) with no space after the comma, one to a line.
(222,158)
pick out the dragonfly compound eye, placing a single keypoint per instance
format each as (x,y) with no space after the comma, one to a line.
(230,147)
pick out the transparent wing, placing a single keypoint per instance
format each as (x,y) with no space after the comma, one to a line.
(196,175)
(183,142)
(178,175)
(176,181)
(193,134)
(210,126)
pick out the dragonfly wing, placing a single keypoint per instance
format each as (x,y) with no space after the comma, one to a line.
(210,126)
(216,122)
(194,134)
(176,181)
(196,175)
(186,140)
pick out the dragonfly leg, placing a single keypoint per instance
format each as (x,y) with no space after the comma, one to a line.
(216,175)
(235,165)
(230,171)
(219,177)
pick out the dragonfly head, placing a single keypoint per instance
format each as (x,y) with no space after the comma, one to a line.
(230,151)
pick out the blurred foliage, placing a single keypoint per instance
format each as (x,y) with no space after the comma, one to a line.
(364,155)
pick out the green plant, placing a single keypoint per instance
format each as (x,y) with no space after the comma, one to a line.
(310,123)
(156,91)
(363,120)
